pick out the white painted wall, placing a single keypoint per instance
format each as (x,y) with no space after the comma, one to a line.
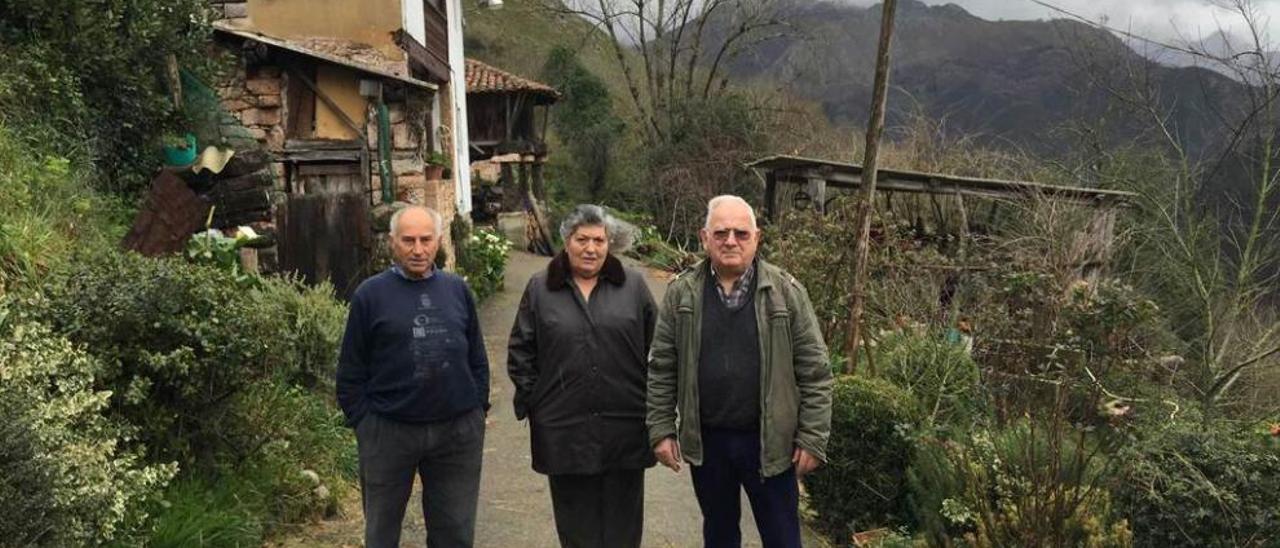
(458,86)
(415,22)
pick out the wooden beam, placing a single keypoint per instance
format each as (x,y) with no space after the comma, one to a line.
(320,155)
(422,58)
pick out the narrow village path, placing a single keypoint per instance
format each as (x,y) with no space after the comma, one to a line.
(515,505)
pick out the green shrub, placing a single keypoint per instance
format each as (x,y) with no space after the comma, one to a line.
(940,374)
(1198,484)
(179,341)
(292,430)
(482,258)
(307,324)
(68,478)
(863,485)
(301,464)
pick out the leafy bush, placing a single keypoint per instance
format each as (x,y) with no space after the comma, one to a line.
(1031,483)
(1200,484)
(940,374)
(68,479)
(482,258)
(862,486)
(179,341)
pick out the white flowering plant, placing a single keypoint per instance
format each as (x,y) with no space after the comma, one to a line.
(482,261)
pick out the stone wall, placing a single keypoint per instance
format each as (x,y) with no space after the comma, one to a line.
(254,97)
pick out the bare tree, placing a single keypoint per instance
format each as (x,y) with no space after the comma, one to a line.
(1222,260)
(676,50)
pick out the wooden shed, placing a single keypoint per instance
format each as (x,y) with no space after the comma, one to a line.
(507,119)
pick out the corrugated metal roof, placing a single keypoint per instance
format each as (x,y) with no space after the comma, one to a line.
(483,78)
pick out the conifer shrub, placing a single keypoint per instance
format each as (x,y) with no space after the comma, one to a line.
(939,373)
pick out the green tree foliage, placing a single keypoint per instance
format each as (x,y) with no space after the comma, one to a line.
(97,72)
(179,342)
(584,121)
(863,486)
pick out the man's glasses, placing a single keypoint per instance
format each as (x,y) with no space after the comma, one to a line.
(723,234)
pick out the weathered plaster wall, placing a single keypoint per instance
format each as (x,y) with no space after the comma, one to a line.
(365,21)
(343,86)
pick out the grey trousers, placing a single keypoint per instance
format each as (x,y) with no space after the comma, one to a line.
(445,454)
(599,510)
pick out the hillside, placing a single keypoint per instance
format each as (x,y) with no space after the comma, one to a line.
(1007,80)
(519,36)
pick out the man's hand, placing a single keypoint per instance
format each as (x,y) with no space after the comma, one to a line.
(804,461)
(668,453)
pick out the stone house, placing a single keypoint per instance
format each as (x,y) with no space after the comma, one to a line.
(356,105)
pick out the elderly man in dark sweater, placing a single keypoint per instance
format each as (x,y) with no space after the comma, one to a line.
(413,380)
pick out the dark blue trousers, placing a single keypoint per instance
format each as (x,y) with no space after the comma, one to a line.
(730,463)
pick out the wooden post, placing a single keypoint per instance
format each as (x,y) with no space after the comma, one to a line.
(875,128)
(539,183)
(771,196)
(818,193)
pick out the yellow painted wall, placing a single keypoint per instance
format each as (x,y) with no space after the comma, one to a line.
(365,21)
(343,86)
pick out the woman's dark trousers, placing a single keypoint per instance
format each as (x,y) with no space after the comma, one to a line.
(599,510)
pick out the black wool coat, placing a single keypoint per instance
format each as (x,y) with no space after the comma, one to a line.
(579,368)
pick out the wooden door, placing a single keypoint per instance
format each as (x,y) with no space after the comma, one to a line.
(324,226)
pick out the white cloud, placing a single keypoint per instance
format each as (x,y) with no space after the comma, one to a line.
(1166,20)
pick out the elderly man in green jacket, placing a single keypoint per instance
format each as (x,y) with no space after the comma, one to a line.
(739,382)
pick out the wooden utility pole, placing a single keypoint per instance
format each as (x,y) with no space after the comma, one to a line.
(875,128)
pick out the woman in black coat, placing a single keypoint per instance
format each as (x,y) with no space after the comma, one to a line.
(577,356)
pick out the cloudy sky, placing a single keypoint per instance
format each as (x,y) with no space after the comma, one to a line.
(1157,19)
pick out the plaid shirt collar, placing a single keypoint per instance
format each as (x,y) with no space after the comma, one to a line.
(741,287)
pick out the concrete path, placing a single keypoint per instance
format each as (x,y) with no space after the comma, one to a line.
(515,505)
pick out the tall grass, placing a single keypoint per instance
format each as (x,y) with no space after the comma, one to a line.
(46,210)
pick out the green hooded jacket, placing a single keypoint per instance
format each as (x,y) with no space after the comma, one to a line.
(795,373)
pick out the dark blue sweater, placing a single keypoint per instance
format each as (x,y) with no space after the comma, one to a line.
(412,350)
